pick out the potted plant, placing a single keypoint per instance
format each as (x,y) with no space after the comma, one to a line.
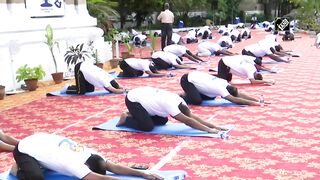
(75,54)
(94,54)
(2,92)
(30,76)
(129,46)
(57,76)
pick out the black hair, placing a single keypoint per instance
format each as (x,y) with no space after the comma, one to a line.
(258,76)
(205,35)
(166,6)
(223,44)
(152,68)
(258,61)
(277,47)
(232,90)
(96,164)
(233,37)
(184,109)
(275,32)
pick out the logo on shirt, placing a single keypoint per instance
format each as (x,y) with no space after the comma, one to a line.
(71,145)
(282,24)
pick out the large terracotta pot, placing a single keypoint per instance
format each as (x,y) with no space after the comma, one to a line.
(32,84)
(57,77)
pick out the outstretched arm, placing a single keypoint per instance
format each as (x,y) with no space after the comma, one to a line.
(277,58)
(151,74)
(124,170)
(183,66)
(116,91)
(268,82)
(243,100)
(192,58)
(8,139)
(226,52)
(265,68)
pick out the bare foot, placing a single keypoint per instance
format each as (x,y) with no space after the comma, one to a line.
(122,119)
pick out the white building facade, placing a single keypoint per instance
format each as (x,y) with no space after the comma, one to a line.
(22,35)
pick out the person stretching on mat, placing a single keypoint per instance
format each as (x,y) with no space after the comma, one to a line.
(243,66)
(199,86)
(7,142)
(262,49)
(165,60)
(245,33)
(134,67)
(211,48)
(182,51)
(149,107)
(88,76)
(64,156)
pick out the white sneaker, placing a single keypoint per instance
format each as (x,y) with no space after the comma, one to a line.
(64,89)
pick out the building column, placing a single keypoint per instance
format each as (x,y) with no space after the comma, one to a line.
(70,8)
(17,7)
(81,6)
(3,8)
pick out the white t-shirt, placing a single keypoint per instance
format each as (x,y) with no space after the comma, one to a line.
(208,85)
(258,50)
(241,65)
(235,32)
(211,46)
(226,39)
(156,101)
(138,64)
(57,153)
(318,38)
(222,29)
(175,38)
(95,75)
(176,49)
(167,57)
(141,37)
(191,34)
(203,29)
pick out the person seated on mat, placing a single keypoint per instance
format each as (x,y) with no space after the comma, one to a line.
(225,41)
(182,51)
(261,50)
(199,86)
(66,157)
(191,36)
(165,60)
(134,67)
(149,107)
(317,41)
(88,76)
(211,48)
(7,142)
(243,66)
(245,33)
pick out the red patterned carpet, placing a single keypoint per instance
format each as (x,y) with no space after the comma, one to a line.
(278,141)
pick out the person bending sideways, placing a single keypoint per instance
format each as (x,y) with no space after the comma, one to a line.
(165,60)
(7,142)
(211,48)
(89,76)
(262,49)
(62,155)
(149,107)
(134,67)
(199,86)
(243,66)
(182,51)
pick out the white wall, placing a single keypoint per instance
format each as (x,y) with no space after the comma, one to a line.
(22,38)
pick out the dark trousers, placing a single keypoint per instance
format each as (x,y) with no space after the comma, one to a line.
(29,167)
(82,85)
(224,71)
(161,64)
(128,71)
(140,118)
(248,53)
(192,95)
(166,34)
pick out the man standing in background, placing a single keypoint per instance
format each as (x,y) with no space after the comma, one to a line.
(166,18)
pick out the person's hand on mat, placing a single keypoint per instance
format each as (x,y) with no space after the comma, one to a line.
(152,176)
(221,129)
(271,82)
(140,166)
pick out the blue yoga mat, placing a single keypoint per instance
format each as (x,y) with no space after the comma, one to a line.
(218,102)
(94,93)
(177,129)
(51,175)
